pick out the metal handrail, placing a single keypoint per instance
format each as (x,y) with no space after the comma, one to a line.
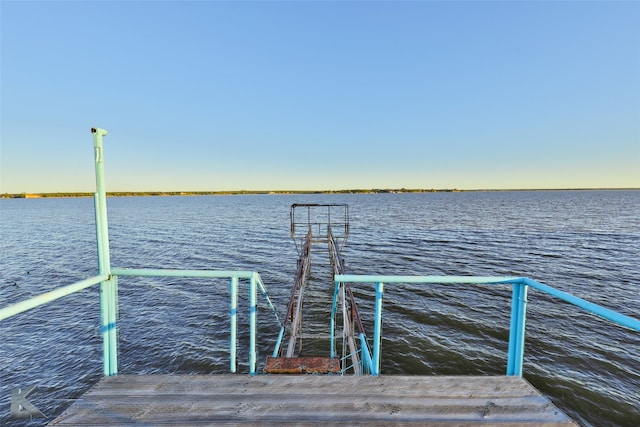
(520,287)
(47,297)
(255,282)
(352,312)
(108,279)
(109,326)
(302,273)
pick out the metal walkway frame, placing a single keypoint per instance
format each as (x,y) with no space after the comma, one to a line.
(313,224)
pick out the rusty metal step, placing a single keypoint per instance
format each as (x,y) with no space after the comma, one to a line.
(302,365)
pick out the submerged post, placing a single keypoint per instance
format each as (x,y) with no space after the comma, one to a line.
(515,356)
(108,288)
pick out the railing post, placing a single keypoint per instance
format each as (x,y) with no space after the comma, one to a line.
(332,322)
(233,313)
(252,325)
(377,330)
(108,288)
(366,356)
(112,334)
(515,356)
(276,350)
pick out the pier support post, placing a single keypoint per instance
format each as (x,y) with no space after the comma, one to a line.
(108,288)
(516,332)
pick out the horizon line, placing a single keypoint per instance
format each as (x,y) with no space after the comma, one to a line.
(343,191)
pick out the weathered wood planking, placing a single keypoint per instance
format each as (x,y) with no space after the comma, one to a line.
(312,399)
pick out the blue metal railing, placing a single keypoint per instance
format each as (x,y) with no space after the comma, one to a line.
(255,283)
(520,287)
(109,308)
(108,279)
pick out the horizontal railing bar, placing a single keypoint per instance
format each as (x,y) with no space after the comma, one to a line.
(590,307)
(355,278)
(606,313)
(154,272)
(50,296)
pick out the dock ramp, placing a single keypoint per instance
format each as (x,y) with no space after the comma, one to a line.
(318,229)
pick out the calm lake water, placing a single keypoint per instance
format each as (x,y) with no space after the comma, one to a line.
(583,242)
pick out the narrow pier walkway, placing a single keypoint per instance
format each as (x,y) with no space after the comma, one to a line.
(312,399)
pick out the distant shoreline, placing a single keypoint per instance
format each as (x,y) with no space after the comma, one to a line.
(241,192)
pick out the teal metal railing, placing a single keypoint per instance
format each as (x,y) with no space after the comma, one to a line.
(520,286)
(107,278)
(255,283)
(109,307)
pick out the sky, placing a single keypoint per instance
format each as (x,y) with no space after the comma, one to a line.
(324,95)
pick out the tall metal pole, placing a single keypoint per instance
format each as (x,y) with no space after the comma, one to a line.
(108,288)
(104,262)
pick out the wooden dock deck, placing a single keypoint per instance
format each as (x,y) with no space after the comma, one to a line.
(312,399)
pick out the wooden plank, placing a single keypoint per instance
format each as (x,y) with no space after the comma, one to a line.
(312,399)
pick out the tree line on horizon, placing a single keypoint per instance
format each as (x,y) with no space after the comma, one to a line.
(214,193)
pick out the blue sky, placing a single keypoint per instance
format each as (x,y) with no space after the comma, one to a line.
(320,95)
